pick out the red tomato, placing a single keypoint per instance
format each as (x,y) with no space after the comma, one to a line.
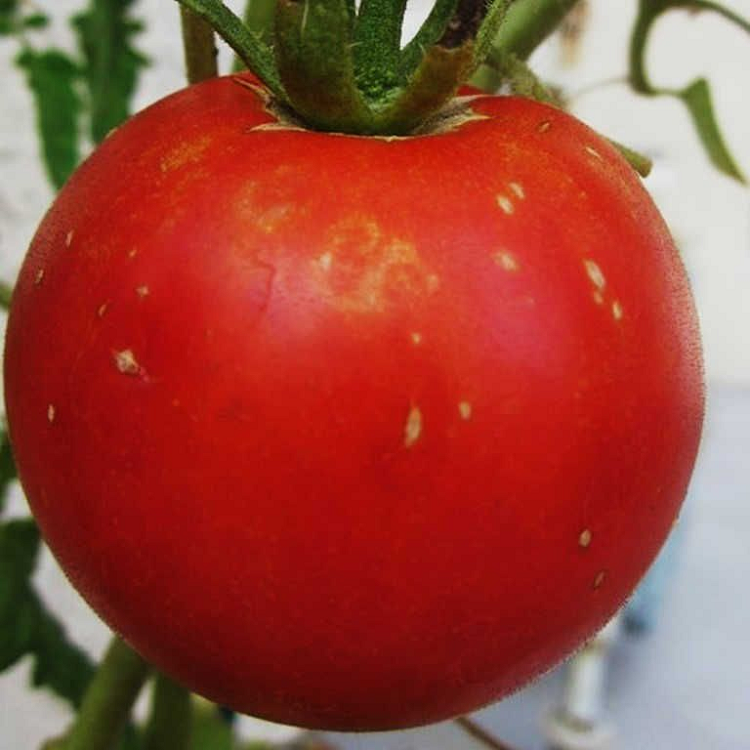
(353,432)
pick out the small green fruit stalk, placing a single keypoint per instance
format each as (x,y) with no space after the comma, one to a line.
(344,70)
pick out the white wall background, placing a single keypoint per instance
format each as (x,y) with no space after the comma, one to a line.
(709,214)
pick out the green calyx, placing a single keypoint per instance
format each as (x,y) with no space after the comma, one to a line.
(344,70)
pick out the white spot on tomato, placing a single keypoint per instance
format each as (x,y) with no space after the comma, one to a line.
(591,150)
(598,297)
(102,309)
(505,204)
(544,126)
(617,310)
(413,427)
(51,413)
(126,362)
(594,273)
(416,338)
(584,538)
(506,261)
(517,189)
(132,253)
(142,291)
(464,409)
(39,277)
(69,238)
(433,283)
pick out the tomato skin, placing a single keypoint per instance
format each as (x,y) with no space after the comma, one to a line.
(348,432)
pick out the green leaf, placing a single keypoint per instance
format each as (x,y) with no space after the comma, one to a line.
(36,21)
(8,16)
(51,76)
(59,665)
(696,96)
(7,467)
(19,546)
(27,627)
(112,64)
(209,731)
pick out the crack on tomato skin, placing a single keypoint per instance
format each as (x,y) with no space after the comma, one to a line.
(126,362)
(505,204)
(507,261)
(413,427)
(595,274)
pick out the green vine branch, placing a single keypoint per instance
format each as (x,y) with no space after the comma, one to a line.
(109,699)
(199,46)
(169,724)
(6,293)
(696,96)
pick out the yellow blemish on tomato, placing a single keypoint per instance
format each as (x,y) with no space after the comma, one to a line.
(584,539)
(142,291)
(505,204)
(188,152)
(416,338)
(126,362)
(599,579)
(464,409)
(69,238)
(517,190)
(413,427)
(325,261)
(39,277)
(617,310)
(272,218)
(50,413)
(506,261)
(591,150)
(595,273)
(371,270)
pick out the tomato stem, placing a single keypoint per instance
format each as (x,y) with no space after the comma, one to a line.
(6,292)
(199,46)
(526,25)
(480,734)
(108,699)
(168,726)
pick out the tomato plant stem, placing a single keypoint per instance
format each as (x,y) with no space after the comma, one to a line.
(199,45)
(6,292)
(109,699)
(168,726)
(480,734)
(527,24)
